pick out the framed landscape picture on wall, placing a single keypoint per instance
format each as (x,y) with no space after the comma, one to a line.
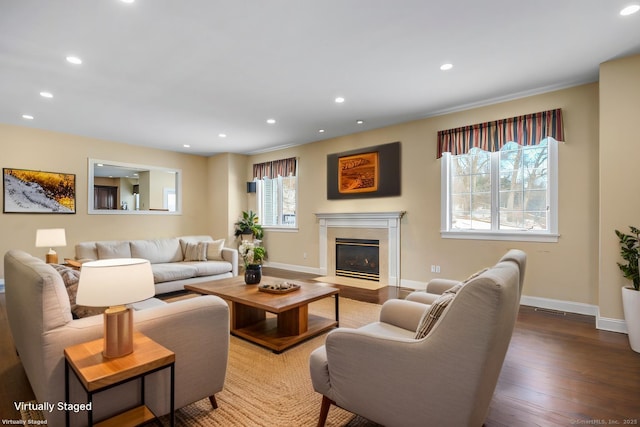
(366,172)
(31,191)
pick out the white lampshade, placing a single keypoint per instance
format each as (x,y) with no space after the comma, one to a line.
(113,282)
(50,238)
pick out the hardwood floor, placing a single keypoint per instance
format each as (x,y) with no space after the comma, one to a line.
(559,369)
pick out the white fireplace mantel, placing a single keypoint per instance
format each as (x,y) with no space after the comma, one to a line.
(385,220)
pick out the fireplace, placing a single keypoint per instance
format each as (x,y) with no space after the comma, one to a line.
(382,226)
(358,258)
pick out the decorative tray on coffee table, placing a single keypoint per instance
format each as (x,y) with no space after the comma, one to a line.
(278,288)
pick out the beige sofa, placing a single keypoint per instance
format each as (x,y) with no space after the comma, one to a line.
(387,374)
(39,314)
(167,256)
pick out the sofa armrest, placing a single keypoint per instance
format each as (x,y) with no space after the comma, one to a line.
(231,255)
(195,329)
(422,297)
(438,286)
(402,313)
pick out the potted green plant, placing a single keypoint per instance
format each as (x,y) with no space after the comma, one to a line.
(629,245)
(248,224)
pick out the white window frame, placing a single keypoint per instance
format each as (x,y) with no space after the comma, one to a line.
(260,206)
(550,235)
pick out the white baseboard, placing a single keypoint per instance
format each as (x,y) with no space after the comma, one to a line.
(602,323)
(299,268)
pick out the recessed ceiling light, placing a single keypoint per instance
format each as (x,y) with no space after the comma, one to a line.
(359,122)
(271,121)
(339,100)
(222,135)
(74,60)
(186,145)
(127,1)
(321,130)
(46,94)
(445,67)
(27,116)
(630,10)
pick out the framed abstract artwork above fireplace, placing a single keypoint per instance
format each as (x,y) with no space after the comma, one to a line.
(366,172)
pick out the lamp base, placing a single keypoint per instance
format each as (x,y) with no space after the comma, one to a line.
(52,258)
(118,331)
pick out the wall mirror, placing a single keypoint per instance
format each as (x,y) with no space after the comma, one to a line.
(127,188)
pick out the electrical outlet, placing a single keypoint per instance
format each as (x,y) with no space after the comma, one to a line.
(433,268)
(304,255)
(437,269)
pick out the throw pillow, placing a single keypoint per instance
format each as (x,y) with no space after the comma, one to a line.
(214,250)
(431,317)
(71,277)
(474,275)
(196,251)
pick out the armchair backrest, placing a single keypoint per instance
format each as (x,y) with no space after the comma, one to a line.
(474,334)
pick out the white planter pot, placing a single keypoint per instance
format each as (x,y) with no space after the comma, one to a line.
(631,306)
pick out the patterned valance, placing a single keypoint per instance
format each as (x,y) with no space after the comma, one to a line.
(529,129)
(275,168)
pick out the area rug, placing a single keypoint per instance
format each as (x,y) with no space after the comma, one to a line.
(263,389)
(347,281)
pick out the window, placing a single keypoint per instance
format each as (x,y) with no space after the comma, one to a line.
(510,194)
(276,191)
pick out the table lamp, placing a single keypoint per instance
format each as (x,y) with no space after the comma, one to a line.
(51,238)
(114,283)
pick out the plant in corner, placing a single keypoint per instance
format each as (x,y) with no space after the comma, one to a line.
(629,245)
(248,223)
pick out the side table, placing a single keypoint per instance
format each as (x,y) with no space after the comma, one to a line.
(97,373)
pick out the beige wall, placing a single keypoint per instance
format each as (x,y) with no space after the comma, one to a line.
(549,273)
(619,172)
(597,187)
(51,151)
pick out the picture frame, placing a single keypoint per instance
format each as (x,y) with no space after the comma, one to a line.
(33,191)
(363,173)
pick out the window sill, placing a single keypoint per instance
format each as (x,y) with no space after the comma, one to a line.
(518,237)
(280,229)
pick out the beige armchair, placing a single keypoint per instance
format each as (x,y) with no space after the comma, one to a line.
(383,373)
(437,286)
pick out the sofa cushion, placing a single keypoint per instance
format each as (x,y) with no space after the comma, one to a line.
(157,250)
(166,272)
(110,250)
(434,313)
(196,251)
(210,268)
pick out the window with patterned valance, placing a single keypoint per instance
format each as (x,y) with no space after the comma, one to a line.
(276,189)
(275,168)
(526,130)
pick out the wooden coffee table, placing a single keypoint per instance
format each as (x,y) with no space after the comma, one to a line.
(292,322)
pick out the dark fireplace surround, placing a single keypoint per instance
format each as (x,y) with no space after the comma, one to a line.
(358,258)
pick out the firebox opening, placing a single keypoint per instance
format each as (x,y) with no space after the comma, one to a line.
(358,258)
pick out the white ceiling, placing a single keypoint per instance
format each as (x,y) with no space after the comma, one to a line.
(165,73)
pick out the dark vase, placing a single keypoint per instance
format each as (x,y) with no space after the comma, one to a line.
(253,274)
